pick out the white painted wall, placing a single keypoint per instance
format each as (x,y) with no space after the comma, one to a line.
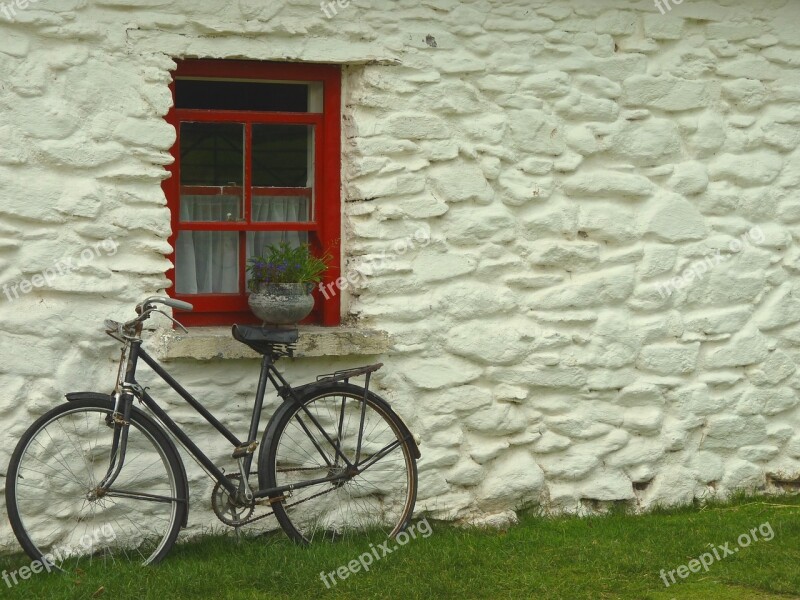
(567,158)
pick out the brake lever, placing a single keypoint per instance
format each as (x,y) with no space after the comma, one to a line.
(178,323)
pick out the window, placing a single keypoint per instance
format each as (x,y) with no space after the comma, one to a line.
(257,161)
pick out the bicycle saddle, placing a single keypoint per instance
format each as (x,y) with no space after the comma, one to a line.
(261,339)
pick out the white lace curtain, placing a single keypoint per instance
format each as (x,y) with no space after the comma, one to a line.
(207,262)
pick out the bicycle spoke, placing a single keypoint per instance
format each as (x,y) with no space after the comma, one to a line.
(55,502)
(380,495)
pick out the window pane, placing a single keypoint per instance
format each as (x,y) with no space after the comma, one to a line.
(283,155)
(269,96)
(212,171)
(212,154)
(207,262)
(210,208)
(257,240)
(280,208)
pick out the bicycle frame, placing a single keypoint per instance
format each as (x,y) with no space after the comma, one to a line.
(132,389)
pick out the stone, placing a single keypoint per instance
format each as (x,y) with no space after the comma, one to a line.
(572,465)
(552,84)
(540,376)
(435,266)
(459,183)
(755,454)
(774,370)
(646,143)
(608,183)
(582,140)
(657,260)
(483,450)
(607,485)
(769,401)
(567,255)
(643,420)
(514,479)
(689,178)
(495,420)
(476,300)
(489,128)
(696,399)
(733,431)
(599,86)
(669,359)
(710,134)
(416,126)
(707,467)
(745,94)
(608,222)
(153,133)
(587,108)
(639,450)
(489,343)
(438,373)
(751,67)
(742,475)
(672,218)
(665,93)
(744,348)
(465,398)
(536,132)
(14,44)
(747,170)
(781,308)
(577,427)
(672,488)
(514,394)
(640,394)
(716,321)
(551,442)
(522,188)
(466,473)
(593,289)
(663,27)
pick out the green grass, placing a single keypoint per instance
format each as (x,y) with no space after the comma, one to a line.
(615,556)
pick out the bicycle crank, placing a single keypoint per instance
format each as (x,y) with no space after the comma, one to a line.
(229,510)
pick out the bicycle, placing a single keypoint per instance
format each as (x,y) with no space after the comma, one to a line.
(333,458)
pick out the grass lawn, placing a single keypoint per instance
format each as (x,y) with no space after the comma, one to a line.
(616,556)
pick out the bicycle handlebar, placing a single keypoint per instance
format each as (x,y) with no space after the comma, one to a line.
(143,310)
(179,304)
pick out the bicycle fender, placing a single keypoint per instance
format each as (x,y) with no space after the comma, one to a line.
(311,388)
(73,396)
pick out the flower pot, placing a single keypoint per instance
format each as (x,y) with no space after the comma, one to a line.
(282,303)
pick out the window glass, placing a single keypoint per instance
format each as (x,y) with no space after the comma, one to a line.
(265,96)
(212,171)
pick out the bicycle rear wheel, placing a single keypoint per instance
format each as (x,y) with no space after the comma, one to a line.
(51,488)
(379,494)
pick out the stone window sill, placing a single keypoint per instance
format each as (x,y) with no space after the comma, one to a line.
(206,343)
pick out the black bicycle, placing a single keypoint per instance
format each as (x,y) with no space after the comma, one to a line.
(334,458)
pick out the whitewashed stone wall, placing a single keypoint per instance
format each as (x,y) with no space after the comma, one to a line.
(569,160)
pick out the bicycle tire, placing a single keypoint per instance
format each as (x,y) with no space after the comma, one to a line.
(380,497)
(64,479)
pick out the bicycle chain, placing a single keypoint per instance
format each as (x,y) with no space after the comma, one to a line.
(272,512)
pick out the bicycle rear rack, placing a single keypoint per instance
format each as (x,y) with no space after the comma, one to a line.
(346,374)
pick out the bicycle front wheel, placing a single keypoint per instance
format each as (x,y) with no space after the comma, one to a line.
(307,442)
(52,494)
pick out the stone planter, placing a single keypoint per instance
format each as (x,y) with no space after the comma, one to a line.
(282,303)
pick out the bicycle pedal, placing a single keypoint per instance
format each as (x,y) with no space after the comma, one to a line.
(245,449)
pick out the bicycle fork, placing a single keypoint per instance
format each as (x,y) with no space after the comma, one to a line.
(120,421)
(120,418)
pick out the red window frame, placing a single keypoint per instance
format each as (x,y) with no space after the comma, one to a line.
(324,226)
